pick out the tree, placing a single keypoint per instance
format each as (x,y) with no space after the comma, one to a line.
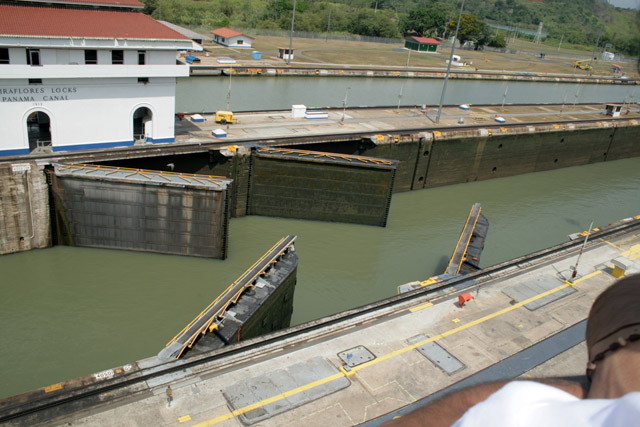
(368,23)
(149,6)
(426,22)
(471,29)
(498,41)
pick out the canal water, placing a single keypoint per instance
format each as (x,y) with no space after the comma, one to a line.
(67,312)
(250,93)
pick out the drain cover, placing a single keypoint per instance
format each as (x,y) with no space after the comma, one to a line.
(356,356)
(438,355)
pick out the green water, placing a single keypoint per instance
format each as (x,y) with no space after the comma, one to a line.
(67,312)
(250,93)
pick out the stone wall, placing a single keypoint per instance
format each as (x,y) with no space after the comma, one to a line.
(24,208)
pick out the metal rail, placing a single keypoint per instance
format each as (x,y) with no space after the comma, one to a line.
(463,242)
(290,333)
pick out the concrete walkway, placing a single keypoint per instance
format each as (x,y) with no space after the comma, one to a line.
(280,124)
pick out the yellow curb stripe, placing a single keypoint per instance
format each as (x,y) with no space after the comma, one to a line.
(611,244)
(272,399)
(420,307)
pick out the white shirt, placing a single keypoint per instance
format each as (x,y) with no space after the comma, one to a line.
(527,403)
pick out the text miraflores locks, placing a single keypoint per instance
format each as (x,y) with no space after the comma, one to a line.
(33,94)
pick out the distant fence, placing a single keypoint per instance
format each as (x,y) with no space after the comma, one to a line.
(313,35)
(303,34)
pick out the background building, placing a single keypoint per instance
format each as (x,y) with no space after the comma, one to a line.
(77,75)
(231,38)
(422,44)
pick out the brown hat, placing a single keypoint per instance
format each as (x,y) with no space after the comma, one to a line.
(614,318)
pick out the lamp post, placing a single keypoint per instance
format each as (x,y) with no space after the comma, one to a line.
(293,20)
(446,78)
(344,105)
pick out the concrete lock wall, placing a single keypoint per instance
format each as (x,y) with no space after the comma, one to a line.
(234,163)
(459,156)
(24,208)
(275,313)
(316,187)
(260,310)
(141,217)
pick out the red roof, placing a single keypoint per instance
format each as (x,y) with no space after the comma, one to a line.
(122,3)
(89,23)
(426,40)
(226,32)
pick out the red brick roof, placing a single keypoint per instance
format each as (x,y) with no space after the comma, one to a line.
(21,20)
(122,3)
(226,32)
(426,40)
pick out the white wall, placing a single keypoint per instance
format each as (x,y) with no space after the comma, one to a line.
(85,111)
(76,56)
(48,56)
(160,57)
(233,41)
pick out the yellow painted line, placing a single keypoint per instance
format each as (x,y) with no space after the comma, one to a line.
(420,307)
(611,244)
(184,418)
(456,320)
(273,399)
(53,387)
(635,249)
(387,356)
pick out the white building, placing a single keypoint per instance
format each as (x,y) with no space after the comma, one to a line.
(79,74)
(231,38)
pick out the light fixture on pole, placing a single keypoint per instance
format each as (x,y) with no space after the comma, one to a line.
(344,105)
(446,78)
(293,20)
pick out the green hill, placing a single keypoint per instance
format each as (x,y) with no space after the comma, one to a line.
(575,22)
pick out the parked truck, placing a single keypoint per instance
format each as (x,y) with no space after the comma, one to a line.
(225,117)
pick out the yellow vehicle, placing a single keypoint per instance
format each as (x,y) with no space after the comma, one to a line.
(584,64)
(225,117)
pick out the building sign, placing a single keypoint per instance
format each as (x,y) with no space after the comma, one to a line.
(21,167)
(37,93)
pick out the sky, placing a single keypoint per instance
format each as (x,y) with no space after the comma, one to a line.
(629,4)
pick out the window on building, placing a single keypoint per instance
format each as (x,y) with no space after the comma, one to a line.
(117,57)
(35,81)
(142,57)
(144,80)
(4,55)
(33,56)
(91,56)
(240,42)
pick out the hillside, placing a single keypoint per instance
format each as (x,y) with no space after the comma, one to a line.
(574,22)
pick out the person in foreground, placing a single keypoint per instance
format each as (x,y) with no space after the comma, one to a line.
(612,399)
